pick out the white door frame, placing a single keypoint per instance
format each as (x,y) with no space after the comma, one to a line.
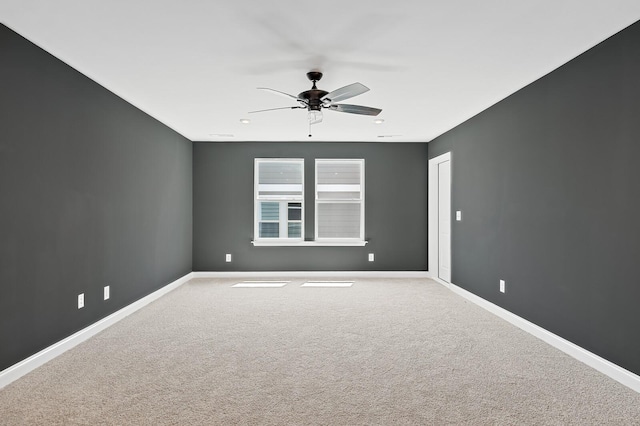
(433,215)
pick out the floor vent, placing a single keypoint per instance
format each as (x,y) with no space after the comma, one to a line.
(328,284)
(261,284)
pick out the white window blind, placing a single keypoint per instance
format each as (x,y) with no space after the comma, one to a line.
(281,179)
(339,199)
(279,199)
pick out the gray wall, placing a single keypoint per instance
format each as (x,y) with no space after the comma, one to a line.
(549,184)
(395,207)
(94,192)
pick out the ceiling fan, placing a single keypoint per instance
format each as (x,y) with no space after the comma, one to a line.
(314,99)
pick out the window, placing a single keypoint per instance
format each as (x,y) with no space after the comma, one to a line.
(339,200)
(279,200)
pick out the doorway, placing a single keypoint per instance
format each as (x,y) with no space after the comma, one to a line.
(440,218)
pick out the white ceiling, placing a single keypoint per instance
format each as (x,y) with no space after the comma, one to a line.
(195,64)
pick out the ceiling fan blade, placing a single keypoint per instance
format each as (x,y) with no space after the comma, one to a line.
(273,109)
(345,92)
(355,109)
(279,92)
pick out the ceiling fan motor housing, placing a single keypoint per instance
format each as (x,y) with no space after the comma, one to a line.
(312,98)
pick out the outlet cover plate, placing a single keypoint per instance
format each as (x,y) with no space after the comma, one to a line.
(81,301)
(503,286)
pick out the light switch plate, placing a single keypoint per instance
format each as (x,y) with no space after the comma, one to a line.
(503,286)
(107,292)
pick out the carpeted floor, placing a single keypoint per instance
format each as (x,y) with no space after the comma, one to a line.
(382,352)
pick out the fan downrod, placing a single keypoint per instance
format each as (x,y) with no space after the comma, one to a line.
(312,97)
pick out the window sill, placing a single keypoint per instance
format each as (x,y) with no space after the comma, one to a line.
(309,243)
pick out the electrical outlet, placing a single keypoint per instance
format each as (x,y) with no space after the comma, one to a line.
(503,286)
(459,215)
(106,292)
(227,257)
(371,257)
(81,301)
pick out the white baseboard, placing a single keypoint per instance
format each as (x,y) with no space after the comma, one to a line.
(439,281)
(608,368)
(313,274)
(25,366)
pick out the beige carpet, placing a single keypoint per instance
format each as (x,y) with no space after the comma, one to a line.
(382,352)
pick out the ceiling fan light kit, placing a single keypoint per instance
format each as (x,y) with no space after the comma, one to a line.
(314,99)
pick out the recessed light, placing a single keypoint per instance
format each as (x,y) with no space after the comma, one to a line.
(378,121)
(245,121)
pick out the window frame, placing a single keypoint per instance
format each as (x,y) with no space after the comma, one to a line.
(361,201)
(283,209)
